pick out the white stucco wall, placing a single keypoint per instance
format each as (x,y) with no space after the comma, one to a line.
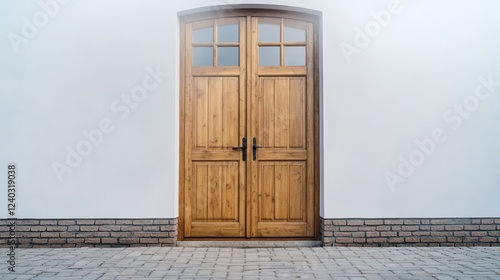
(392,90)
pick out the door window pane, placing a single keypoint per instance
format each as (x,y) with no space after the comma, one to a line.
(293,34)
(227,33)
(227,56)
(203,56)
(269,32)
(269,56)
(295,56)
(203,35)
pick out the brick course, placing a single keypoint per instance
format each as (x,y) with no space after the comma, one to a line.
(410,232)
(91,232)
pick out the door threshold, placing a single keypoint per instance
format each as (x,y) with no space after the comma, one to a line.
(250,244)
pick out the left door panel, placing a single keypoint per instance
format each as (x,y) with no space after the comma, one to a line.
(215,123)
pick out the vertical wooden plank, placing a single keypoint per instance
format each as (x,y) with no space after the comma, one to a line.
(230,124)
(297,191)
(233,194)
(267,173)
(267,121)
(244,84)
(200,104)
(253,171)
(230,192)
(282,124)
(222,190)
(215,112)
(200,199)
(297,113)
(281,179)
(214,205)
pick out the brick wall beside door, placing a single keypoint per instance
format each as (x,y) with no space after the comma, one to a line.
(33,233)
(411,232)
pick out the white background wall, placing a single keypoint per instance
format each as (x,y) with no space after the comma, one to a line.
(392,92)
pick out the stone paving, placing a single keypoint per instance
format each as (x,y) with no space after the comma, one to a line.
(254,263)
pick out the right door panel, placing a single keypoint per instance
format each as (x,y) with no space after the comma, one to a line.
(282,121)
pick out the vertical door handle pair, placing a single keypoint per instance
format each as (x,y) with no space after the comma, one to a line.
(243,148)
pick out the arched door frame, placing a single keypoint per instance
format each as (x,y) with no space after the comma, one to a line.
(251,11)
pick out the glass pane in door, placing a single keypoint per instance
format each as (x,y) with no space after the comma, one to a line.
(227,33)
(269,32)
(203,35)
(227,56)
(203,56)
(269,56)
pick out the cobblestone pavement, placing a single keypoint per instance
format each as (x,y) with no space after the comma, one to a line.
(254,263)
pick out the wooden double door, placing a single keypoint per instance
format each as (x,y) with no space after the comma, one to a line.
(248,128)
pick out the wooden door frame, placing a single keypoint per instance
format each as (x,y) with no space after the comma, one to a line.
(197,16)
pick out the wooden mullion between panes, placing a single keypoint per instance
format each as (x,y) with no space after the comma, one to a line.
(227,44)
(282,39)
(202,44)
(295,44)
(270,44)
(216,30)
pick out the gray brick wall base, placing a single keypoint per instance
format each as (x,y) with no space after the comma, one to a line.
(36,233)
(410,232)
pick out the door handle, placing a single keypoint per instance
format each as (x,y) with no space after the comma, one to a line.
(254,148)
(243,149)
